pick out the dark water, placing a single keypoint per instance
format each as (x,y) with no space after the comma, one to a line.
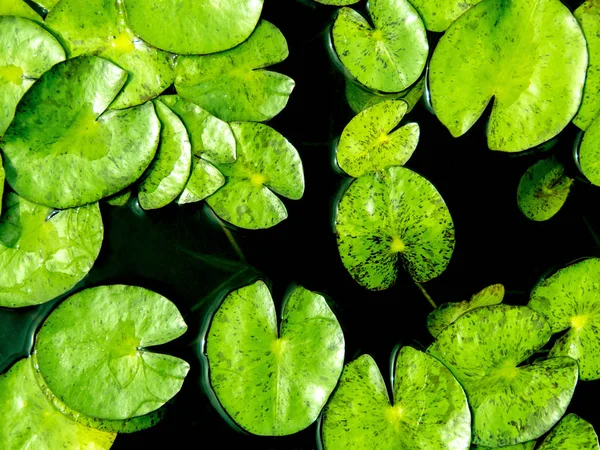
(184,254)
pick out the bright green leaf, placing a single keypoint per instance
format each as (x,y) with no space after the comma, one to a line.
(47,4)
(120,198)
(20,9)
(589,153)
(337,2)
(572,433)
(439,14)
(204,181)
(530,445)
(360,98)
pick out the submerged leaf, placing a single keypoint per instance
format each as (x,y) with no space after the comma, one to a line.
(20,9)
(589,153)
(360,98)
(572,433)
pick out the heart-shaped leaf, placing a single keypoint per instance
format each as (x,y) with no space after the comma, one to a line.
(391,55)
(360,98)
(589,153)
(439,14)
(61,151)
(232,85)
(531,57)
(20,9)
(92,351)
(393,215)
(572,433)
(429,409)
(274,383)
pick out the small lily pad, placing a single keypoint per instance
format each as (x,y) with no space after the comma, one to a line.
(589,153)
(360,98)
(92,351)
(439,14)
(391,55)
(266,164)
(368,143)
(543,189)
(530,57)
(44,253)
(572,433)
(233,85)
(271,383)
(511,403)
(390,216)
(61,151)
(20,9)
(429,409)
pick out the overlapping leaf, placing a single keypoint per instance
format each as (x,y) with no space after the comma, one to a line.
(20,9)
(439,14)
(359,98)
(589,153)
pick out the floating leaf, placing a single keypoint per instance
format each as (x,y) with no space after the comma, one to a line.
(272,383)
(61,151)
(525,446)
(20,9)
(572,433)
(44,253)
(531,57)
(360,98)
(120,198)
(511,403)
(337,2)
(388,57)
(92,351)
(204,181)
(232,85)
(439,14)
(589,153)
(389,216)
(429,409)
(368,143)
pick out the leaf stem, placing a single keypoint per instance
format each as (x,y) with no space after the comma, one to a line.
(231,239)
(426,295)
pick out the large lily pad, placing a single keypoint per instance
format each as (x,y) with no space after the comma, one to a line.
(531,57)
(99,27)
(61,151)
(429,409)
(232,85)
(572,433)
(92,351)
(47,4)
(20,9)
(589,153)
(543,189)
(193,27)
(360,98)
(266,164)
(30,421)
(393,215)
(26,52)
(44,253)
(274,383)
(511,403)
(368,143)
(439,14)
(570,300)
(388,57)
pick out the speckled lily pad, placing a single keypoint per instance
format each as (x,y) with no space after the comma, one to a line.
(439,14)
(20,9)
(429,409)
(393,215)
(589,153)
(274,383)
(388,57)
(359,98)
(511,403)
(572,433)
(530,445)
(337,2)
(120,198)
(531,57)
(92,351)
(234,85)
(47,4)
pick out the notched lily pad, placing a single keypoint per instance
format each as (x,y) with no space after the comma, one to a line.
(589,153)
(20,9)
(360,98)
(439,14)
(274,383)
(572,433)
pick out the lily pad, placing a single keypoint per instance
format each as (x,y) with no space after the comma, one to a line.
(511,403)
(47,4)
(193,27)
(44,253)
(120,198)
(531,57)
(543,189)
(368,143)
(92,351)
(391,55)
(570,300)
(61,151)
(428,410)
(360,98)
(204,181)
(439,14)
(266,164)
(271,383)
(99,27)
(26,52)
(589,153)
(170,170)
(445,314)
(572,433)
(30,421)
(233,85)
(20,9)
(530,445)
(337,2)
(390,216)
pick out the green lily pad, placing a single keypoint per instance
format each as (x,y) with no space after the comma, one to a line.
(511,403)
(570,300)
(589,153)
(388,57)
(92,351)
(389,216)
(274,383)
(530,445)
(99,27)
(429,409)
(368,143)
(445,314)
(266,164)
(204,181)
(44,253)
(120,198)
(543,189)
(170,170)
(20,9)
(2,177)
(337,2)
(47,4)
(233,85)
(572,433)
(26,52)
(531,57)
(193,27)
(439,14)
(30,421)
(61,151)
(360,98)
